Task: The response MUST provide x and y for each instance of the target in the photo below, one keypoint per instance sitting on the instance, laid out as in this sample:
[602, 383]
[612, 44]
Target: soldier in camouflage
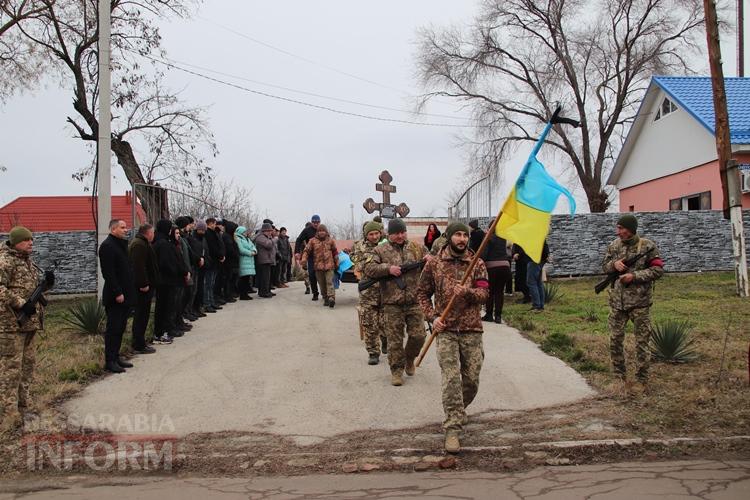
[18, 279]
[400, 308]
[369, 300]
[459, 343]
[439, 244]
[631, 296]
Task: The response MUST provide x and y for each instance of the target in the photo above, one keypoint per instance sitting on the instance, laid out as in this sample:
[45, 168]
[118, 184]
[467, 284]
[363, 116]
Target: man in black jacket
[299, 246]
[118, 294]
[145, 275]
[476, 237]
[172, 279]
[185, 225]
[218, 254]
[231, 265]
[199, 246]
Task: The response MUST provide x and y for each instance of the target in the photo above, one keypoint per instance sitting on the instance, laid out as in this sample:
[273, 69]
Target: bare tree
[213, 198]
[21, 62]
[171, 138]
[520, 58]
[346, 229]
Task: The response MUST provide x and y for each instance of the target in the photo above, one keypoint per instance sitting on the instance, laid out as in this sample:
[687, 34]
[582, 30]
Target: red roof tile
[62, 213]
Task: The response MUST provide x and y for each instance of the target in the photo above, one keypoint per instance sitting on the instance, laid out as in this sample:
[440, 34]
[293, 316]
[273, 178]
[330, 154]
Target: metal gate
[475, 203]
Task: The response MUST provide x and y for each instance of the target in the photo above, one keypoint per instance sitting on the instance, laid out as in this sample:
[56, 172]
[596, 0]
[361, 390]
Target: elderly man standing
[631, 296]
[265, 259]
[18, 279]
[118, 295]
[146, 275]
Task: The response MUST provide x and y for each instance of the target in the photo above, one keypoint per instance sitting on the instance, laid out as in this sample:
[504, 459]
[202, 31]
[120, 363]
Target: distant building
[64, 213]
[669, 160]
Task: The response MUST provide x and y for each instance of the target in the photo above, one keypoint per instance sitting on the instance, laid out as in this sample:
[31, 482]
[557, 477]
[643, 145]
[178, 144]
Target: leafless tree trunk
[520, 58]
[149, 123]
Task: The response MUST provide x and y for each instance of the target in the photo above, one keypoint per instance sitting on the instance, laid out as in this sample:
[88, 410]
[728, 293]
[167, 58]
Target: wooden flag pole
[469, 272]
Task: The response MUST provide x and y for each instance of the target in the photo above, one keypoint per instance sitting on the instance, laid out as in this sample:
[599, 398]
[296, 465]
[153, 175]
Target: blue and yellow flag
[527, 211]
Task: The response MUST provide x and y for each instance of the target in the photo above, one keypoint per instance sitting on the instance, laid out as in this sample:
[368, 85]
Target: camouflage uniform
[18, 279]
[439, 244]
[459, 347]
[369, 300]
[632, 302]
[400, 308]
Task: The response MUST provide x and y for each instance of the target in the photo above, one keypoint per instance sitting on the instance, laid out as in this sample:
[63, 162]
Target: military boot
[452, 444]
[374, 359]
[307, 290]
[410, 369]
[384, 345]
[396, 379]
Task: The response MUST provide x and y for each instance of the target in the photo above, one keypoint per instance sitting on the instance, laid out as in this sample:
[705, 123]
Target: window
[666, 108]
[631, 208]
[700, 201]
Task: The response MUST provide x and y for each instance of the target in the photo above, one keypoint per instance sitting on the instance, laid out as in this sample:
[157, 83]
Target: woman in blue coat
[247, 261]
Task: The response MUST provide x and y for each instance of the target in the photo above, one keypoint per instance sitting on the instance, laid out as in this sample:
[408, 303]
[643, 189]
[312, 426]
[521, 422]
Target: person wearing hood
[459, 341]
[118, 295]
[172, 280]
[265, 259]
[325, 257]
[199, 250]
[246, 251]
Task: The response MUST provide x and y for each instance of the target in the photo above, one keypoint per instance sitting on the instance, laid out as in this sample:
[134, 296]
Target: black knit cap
[182, 222]
[629, 222]
[396, 226]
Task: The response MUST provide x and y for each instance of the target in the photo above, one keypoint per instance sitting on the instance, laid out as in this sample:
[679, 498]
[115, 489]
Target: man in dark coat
[185, 224]
[299, 246]
[172, 279]
[522, 263]
[118, 295]
[145, 276]
[264, 259]
[218, 254]
[232, 262]
[476, 237]
[199, 246]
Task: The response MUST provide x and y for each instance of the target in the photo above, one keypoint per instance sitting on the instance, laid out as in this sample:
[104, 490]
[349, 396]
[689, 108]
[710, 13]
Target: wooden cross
[385, 208]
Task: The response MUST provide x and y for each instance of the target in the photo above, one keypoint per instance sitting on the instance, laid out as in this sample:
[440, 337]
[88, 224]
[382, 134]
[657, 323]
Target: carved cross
[385, 208]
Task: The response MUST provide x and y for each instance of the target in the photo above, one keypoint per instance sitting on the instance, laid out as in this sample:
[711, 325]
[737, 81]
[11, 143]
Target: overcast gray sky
[297, 160]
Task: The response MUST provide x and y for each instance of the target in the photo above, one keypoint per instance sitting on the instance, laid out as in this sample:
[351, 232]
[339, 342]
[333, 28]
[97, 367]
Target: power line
[312, 94]
[304, 103]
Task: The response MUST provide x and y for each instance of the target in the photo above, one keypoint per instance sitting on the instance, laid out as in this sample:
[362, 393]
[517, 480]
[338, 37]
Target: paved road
[708, 480]
[290, 366]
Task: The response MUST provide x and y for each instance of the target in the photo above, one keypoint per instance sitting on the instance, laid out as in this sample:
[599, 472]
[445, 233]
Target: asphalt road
[289, 366]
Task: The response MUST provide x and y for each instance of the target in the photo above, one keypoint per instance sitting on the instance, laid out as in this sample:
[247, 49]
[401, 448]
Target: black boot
[384, 345]
[374, 359]
[315, 296]
[307, 290]
[331, 303]
[487, 317]
[112, 366]
[124, 364]
[325, 302]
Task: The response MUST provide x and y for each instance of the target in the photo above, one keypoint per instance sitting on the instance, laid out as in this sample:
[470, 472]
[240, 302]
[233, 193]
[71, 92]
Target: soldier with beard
[459, 343]
[400, 309]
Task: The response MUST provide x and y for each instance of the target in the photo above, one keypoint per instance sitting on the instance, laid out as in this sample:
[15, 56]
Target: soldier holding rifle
[631, 295]
[459, 343]
[20, 318]
[400, 310]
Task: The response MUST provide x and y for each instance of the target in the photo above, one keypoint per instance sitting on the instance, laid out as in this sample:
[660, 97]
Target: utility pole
[104, 139]
[354, 228]
[741, 38]
[730, 180]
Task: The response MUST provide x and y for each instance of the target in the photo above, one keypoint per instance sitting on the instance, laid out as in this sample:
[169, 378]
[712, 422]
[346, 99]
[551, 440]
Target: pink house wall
[654, 196]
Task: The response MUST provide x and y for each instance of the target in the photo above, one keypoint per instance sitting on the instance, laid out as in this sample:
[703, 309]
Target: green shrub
[590, 314]
[588, 365]
[551, 292]
[672, 342]
[525, 323]
[80, 373]
[86, 317]
[556, 343]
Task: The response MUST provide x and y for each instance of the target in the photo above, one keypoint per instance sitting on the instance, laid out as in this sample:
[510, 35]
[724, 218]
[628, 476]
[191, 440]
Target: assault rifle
[367, 283]
[37, 296]
[614, 276]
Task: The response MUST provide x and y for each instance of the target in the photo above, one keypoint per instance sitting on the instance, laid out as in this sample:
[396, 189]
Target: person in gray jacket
[265, 259]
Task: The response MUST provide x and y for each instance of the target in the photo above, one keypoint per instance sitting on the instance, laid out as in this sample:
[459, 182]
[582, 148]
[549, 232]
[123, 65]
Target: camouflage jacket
[360, 251]
[439, 278]
[439, 244]
[377, 265]
[18, 279]
[646, 270]
[324, 253]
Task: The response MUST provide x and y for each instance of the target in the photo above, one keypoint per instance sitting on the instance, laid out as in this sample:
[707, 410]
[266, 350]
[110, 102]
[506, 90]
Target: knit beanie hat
[266, 227]
[474, 224]
[372, 226]
[315, 218]
[322, 227]
[455, 226]
[164, 226]
[200, 225]
[19, 234]
[396, 226]
[629, 222]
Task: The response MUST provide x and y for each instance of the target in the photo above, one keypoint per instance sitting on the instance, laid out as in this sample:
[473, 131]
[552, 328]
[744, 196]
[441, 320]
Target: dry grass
[684, 399]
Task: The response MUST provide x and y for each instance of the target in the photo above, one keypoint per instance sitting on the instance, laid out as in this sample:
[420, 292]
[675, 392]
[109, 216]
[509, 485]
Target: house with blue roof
[669, 160]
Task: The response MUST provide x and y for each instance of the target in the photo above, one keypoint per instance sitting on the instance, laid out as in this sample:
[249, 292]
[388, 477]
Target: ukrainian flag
[527, 212]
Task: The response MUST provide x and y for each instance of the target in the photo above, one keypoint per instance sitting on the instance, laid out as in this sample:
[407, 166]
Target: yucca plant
[86, 317]
[672, 342]
[551, 292]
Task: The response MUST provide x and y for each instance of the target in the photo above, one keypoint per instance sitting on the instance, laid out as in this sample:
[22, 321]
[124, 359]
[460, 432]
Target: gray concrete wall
[688, 241]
